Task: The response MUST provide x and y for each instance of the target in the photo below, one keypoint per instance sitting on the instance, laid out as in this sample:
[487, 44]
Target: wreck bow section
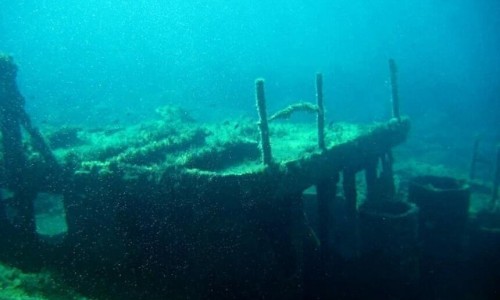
[172, 207]
[221, 229]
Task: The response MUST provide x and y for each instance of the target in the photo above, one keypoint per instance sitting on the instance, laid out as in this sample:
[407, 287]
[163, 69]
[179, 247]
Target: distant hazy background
[102, 61]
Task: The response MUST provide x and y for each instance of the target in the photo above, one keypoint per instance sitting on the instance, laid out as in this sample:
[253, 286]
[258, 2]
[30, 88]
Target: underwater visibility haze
[135, 164]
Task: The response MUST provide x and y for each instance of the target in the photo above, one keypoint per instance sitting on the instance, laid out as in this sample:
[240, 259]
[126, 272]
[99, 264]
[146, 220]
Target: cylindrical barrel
[389, 246]
[444, 208]
[484, 255]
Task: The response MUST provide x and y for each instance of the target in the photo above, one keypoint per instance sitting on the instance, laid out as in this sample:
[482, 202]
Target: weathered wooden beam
[394, 89]
[321, 111]
[263, 124]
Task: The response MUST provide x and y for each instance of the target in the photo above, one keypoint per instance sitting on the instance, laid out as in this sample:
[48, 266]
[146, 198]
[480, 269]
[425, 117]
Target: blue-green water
[117, 60]
[103, 62]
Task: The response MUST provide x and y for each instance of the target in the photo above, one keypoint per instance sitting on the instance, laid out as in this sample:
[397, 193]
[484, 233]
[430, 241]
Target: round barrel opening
[439, 183]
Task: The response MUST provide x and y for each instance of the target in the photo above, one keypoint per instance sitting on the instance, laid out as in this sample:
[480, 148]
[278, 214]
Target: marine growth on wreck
[173, 208]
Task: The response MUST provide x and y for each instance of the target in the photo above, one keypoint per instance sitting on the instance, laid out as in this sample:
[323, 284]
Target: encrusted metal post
[394, 88]
[263, 125]
[321, 111]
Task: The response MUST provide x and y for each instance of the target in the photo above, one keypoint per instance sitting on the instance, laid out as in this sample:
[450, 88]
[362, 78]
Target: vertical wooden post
[394, 88]
[321, 111]
[263, 125]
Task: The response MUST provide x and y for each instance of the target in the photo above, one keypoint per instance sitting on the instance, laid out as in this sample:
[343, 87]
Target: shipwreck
[174, 208]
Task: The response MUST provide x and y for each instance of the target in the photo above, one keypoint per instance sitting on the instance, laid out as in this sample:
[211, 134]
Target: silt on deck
[174, 207]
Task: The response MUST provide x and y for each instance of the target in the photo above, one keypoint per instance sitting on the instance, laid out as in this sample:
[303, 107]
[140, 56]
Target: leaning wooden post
[321, 111]
[263, 125]
[496, 180]
[394, 88]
